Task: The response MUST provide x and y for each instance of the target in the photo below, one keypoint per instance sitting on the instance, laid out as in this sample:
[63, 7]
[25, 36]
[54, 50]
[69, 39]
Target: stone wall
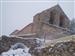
[59, 49]
[7, 42]
[51, 32]
[26, 30]
[50, 23]
[56, 14]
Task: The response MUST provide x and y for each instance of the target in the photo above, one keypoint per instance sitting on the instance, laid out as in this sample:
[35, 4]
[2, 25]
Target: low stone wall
[7, 42]
[58, 49]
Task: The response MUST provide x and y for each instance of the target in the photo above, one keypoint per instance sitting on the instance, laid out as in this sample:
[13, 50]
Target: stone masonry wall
[7, 42]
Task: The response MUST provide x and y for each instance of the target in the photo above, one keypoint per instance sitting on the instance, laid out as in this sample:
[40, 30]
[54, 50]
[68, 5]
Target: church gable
[48, 22]
[54, 16]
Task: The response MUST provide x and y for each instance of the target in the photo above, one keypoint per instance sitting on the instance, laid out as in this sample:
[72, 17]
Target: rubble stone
[59, 49]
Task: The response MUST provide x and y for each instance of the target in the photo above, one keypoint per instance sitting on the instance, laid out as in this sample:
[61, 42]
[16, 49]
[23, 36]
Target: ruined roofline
[57, 7]
[25, 27]
[62, 11]
[14, 32]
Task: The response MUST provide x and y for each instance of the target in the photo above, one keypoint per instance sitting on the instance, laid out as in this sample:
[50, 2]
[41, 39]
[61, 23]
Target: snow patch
[15, 51]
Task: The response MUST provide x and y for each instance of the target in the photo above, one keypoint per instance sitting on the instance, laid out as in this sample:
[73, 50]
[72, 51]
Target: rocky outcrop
[59, 49]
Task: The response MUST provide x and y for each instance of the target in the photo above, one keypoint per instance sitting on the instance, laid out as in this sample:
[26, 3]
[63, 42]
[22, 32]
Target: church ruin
[47, 31]
[50, 24]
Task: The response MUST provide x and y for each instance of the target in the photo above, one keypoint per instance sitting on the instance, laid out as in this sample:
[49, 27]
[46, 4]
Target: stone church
[50, 24]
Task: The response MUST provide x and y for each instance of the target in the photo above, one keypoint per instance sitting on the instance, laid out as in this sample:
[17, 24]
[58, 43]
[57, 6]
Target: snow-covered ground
[17, 52]
[19, 49]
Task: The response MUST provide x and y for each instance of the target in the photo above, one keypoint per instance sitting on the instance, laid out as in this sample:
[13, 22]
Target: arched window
[52, 16]
[61, 21]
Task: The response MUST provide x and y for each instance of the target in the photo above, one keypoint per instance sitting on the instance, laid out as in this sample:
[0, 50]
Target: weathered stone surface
[7, 42]
[59, 49]
[64, 48]
[51, 23]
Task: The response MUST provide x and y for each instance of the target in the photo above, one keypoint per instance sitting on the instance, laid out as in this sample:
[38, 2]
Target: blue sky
[16, 15]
